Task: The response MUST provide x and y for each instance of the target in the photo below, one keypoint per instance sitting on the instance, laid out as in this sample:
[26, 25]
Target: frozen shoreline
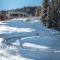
[41, 46]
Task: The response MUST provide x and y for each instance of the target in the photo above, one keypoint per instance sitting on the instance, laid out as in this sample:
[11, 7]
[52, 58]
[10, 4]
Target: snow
[16, 43]
[6, 55]
[28, 40]
[30, 45]
[5, 29]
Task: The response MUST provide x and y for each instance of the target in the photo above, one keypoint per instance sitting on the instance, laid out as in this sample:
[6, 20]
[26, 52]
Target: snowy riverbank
[39, 43]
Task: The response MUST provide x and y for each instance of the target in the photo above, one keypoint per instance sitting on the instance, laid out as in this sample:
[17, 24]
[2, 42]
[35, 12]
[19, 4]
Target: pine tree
[45, 11]
[51, 13]
[55, 12]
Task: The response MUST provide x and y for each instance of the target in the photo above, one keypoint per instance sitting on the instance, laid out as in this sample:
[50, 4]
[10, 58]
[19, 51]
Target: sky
[12, 4]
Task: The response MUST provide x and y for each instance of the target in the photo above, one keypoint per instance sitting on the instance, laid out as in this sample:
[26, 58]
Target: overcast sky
[12, 4]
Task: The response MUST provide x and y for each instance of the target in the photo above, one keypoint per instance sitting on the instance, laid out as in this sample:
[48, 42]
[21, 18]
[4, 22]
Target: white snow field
[28, 40]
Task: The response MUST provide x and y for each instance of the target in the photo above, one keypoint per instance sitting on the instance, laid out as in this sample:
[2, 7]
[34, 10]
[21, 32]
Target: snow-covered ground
[28, 40]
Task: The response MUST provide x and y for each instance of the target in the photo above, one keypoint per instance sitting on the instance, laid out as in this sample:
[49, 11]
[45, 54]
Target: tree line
[31, 11]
